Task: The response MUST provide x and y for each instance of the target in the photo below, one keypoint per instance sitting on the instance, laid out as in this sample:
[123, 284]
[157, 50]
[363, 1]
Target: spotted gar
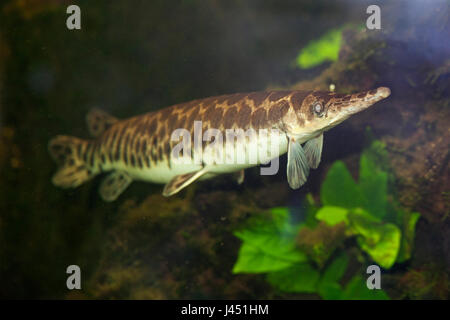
[141, 147]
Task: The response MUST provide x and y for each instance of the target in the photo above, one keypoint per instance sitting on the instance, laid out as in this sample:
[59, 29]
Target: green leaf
[310, 209]
[357, 289]
[339, 189]
[297, 278]
[324, 49]
[282, 223]
[380, 240]
[409, 228]
[332, 215]
[259, 259]
[329, 287]
[373, 184]
[320, 242]
[281, 212]
[269, 245]
[336, 269]
[330, 291]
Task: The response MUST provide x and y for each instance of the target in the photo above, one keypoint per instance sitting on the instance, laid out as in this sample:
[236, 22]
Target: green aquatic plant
[305, 256]
[316, 52]
[326, 48]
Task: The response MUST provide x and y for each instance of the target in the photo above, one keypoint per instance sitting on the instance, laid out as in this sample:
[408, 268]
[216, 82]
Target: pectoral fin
[313, 151]
[114, 184]
[181, 181]
[297, 167]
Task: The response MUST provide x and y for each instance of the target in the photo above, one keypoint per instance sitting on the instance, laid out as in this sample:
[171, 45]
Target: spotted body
[140, 148]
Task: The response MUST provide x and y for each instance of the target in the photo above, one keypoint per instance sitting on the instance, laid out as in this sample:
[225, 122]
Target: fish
[142, 147]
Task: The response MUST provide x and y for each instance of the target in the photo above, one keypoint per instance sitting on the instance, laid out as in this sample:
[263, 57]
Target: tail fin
[67, 153]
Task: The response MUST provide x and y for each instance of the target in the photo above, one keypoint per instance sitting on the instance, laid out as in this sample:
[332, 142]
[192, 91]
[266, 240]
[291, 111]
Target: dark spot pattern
[172, 121]
[144, 146]
[243, 117]
[181, 123]
[141, 128]
[208, 114]
[111, 137]
[258, 97]
[324, 97]
[229, 117]
[277, 95]
[125, 148]
[208, 101]
[221, 99]
[190, 119]
[217, 117]
[232, 99]
[117, 154]
[160, 153]
[162, 131]
[361, 95]
[137, 146]
[165, 113]
[167, 150]
[278, 110]
[154, 155]
[298, 97]
[259, 118]
[152, 126]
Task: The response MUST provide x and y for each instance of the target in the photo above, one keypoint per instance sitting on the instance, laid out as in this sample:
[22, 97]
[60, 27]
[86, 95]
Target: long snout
[342, 107]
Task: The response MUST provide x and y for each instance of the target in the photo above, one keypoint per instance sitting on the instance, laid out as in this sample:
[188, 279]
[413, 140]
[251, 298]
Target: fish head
[321, 111]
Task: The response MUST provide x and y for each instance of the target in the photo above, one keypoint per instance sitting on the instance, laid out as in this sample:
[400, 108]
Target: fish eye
[318, 109]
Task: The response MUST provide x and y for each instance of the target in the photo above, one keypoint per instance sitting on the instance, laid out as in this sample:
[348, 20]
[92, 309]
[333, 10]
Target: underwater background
[380, 195]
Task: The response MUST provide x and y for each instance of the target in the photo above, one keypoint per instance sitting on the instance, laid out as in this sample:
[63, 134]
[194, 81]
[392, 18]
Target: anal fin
[114, 184]
[313, 151]
[98, 121]
[181, 181]
[297, 167]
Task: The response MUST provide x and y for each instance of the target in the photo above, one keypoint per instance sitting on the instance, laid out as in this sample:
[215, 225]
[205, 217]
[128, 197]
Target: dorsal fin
[98, 121]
